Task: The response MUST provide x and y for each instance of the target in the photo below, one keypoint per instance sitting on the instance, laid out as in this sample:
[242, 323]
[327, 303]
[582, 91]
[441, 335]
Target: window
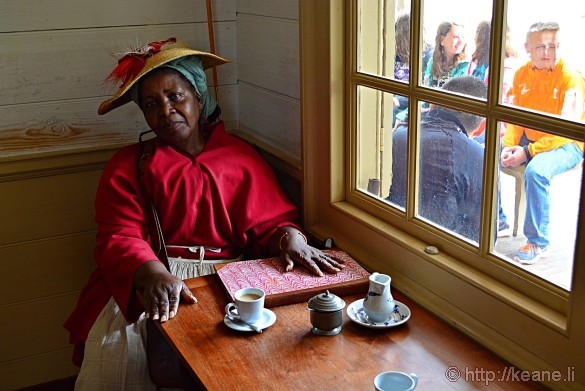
[448, 175]
[350, 90]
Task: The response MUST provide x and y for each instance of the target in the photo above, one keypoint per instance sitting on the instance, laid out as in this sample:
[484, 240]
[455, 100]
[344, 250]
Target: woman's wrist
[147, 272]
[288, 233]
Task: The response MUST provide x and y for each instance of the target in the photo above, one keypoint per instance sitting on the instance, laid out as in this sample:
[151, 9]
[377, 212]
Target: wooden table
[287, 356]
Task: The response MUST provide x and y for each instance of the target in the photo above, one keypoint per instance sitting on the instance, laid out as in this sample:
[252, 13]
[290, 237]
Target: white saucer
[356, 313]
[267, 320]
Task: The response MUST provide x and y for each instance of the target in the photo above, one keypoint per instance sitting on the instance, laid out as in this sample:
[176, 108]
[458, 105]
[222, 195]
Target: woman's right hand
[161, 291]
[294, 249]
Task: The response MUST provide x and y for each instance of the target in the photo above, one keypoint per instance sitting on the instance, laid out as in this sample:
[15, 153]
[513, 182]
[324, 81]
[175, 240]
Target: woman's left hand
[294, 249]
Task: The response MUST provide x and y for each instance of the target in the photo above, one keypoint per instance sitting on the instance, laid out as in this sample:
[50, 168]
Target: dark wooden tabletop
[288, 356]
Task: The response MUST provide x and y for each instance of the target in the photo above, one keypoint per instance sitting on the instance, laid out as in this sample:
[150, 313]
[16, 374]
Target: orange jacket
[543, 91]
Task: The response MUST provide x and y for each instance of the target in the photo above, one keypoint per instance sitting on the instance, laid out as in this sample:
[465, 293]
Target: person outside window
[511, 64]
[544, 84]
[449, 55]
[480, 62]
[451, 164]
[479, 67]
[402, 64]
[480, 59]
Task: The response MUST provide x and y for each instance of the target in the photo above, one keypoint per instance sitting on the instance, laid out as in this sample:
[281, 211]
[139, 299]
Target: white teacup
[248, 305]
[395, 381]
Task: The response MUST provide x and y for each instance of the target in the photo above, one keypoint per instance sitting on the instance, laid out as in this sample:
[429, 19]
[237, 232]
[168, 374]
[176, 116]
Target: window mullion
[491, 156]
[413, 107]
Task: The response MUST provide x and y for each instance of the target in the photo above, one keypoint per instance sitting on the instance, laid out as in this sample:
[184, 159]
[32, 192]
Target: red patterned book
[296, 286]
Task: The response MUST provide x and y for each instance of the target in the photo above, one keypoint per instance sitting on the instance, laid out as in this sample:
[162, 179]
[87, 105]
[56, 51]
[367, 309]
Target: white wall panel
[271, 117]
[269, 74]
[75, 63]
[286, 9]
[268, 53]
[35, 15]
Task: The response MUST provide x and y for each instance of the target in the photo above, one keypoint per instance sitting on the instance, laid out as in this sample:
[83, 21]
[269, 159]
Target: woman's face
[454, 42]
[171, 108]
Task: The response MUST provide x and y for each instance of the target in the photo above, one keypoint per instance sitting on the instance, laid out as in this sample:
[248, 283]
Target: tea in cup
[395, 381]
[248, 305]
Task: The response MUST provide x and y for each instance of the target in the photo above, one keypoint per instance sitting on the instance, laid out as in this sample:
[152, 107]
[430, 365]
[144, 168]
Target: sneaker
[504, 229]
[530, 253]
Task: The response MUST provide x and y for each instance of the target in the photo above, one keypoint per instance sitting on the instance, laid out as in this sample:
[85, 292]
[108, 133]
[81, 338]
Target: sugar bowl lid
[326, 302]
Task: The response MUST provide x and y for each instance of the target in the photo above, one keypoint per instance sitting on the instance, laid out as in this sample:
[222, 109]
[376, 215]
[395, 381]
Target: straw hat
[138, 63]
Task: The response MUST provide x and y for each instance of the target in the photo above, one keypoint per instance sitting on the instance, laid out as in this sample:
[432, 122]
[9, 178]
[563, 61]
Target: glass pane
[459, 36]
[450, 171]
[384, 38]
[398, 142]
[544, 61]
[376, 112]
[539, 202]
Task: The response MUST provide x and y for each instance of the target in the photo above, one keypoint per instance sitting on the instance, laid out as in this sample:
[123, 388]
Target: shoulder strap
[156, 236]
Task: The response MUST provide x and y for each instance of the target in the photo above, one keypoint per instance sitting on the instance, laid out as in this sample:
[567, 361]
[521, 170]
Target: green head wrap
[192, 68]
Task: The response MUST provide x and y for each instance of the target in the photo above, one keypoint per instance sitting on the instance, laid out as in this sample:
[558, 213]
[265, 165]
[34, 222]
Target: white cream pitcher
[379, 303]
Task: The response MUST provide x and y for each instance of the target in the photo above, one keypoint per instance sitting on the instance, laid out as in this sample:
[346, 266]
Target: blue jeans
[539, 173]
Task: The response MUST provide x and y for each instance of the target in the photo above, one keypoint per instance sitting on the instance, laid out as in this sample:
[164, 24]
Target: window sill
[415, 256]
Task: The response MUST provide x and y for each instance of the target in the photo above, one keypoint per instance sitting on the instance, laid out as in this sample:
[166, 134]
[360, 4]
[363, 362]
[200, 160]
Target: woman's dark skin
[171, 109]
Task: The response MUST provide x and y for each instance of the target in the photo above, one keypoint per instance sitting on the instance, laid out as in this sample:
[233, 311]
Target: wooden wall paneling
[37, 369]
[75, 63]
[268, 53]
[271, 117]
[63, 115]
[47, 164]
[45, 207]
[68, 258]
[74, 125]
[228, 101]
[35, 327]
[16, 15]
[29, 129]
[287, 9]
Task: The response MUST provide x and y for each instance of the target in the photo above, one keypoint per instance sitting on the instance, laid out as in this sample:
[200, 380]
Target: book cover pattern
[269, 274]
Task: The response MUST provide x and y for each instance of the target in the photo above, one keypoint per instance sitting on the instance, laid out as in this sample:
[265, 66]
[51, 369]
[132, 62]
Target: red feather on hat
[130, 65]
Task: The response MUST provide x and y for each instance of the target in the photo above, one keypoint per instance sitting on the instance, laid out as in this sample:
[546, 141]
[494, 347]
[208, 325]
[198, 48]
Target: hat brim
[122, 96]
